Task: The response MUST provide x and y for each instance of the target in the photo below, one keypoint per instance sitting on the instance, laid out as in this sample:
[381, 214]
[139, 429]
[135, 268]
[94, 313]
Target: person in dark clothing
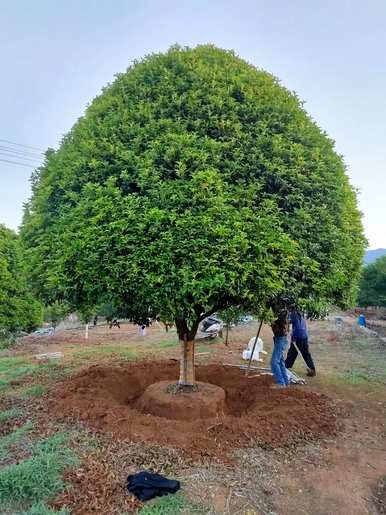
[299, 343]
[280, 330]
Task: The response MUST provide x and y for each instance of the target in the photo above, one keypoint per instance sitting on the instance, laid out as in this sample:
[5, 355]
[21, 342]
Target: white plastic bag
[259, 349]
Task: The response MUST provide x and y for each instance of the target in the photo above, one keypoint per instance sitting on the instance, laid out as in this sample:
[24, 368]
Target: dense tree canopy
[193, 183]
[373, 284]
[18, 309]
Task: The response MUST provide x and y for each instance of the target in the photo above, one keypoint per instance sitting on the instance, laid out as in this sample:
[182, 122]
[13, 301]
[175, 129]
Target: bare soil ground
[316, 449]
[108, 398]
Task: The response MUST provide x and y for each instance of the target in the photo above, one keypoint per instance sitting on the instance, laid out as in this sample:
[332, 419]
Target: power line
[20, 145]
[21, 152]
[29, 165]
[24, 158]
[16, 152]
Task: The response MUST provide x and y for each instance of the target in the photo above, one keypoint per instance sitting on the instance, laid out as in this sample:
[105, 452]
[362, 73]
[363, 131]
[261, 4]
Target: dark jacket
[280, 327]
[299, 328]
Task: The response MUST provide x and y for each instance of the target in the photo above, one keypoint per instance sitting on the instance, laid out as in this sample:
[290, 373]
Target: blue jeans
[277, 360]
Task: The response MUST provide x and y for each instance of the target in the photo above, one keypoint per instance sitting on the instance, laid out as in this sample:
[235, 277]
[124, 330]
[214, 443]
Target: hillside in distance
[373, 255]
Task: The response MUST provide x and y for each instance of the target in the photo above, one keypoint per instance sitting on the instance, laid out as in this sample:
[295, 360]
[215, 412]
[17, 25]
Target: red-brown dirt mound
[107, 398]
[207, 402]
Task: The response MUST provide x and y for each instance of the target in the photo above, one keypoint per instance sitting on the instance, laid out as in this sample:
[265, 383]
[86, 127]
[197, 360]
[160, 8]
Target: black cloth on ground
[146, 485]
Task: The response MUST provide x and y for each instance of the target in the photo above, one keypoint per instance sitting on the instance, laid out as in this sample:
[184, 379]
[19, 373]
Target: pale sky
[57, 55]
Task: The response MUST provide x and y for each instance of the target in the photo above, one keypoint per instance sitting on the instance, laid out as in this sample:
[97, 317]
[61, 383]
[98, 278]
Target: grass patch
[17, 439]
[34, 391]
[38, 478]
[118, 351]
[176, 504]
[356, 376]
[125, 353]
[41, 508]
[355, 362]
[52, 370]
[12, 369]
[6, 339]
[165, 344]
[211, 341]
[8, 362]
[205, 348]
[9, 414]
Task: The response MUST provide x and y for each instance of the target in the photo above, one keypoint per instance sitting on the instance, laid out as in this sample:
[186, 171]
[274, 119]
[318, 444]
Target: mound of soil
[162, 400]
[108, 399]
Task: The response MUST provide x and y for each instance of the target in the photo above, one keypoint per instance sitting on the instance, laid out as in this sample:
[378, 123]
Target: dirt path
[343, 479]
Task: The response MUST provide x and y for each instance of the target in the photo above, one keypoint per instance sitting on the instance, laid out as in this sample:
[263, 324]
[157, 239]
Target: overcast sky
[57, 55]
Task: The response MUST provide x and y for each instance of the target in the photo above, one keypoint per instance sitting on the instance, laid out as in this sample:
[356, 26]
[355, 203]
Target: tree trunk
[186, 337]
[227, 334]
[187, 375]
[86, 333]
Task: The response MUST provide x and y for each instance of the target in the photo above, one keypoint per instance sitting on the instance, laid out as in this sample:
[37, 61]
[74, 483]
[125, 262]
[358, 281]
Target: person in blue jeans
[280, 330]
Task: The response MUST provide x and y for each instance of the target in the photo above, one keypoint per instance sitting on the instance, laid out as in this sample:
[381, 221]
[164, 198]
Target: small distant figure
[168, 326]
[338, 320]
[362, 320]
[142, 329]
[114, 323]
[95, 320]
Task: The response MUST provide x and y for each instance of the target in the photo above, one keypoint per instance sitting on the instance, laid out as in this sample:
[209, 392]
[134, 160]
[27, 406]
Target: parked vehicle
[210, 327]
[245, 319]
[43, 331]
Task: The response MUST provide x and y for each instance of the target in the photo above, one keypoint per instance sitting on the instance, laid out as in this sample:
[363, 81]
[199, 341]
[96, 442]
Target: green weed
[15, 439]
[8, 362]
[41, 508]
[166, 344]
[13, 368]
[355, 376]
[39, 477]
[34, 391]
[171, 505]
[6, 339]
[127, 354]
[10, 414]
[204, 348]
[118, 351]
[52, 370]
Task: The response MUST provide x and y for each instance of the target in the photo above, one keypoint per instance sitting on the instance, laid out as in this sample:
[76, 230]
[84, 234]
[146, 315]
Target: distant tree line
[372, 290]
[19, 310]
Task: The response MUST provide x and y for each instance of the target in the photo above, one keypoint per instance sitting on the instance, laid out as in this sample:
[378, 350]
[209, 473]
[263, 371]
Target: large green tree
[18, 309]
[193, 183]
[373, 284]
